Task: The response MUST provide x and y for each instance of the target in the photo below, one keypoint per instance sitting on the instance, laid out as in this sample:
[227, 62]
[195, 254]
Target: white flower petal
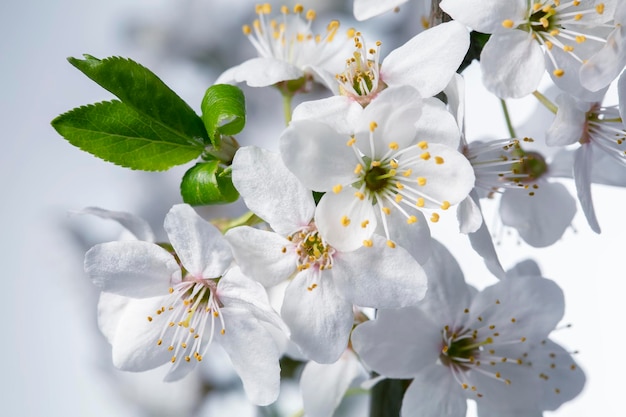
[569, 123]
[414, 237]
[482, 243]
[379, 276]
[135, 344]
[434, 392]
[319, 318]
[271, 191]
[420, 63]
[512, 64]
[323, 386]
[621, 92]
[317, 154]
[340, 219]
[570, 81]
[260, 72]
[540, 219]
[260, 254]
[138, 227]
[201, 248]
[582, 178]
[455, 93]
[132, 268]
[338, 112]
[485, 15]
[366, 9]
[253, 353]
[399, 343]
[110, 310]
[603, 67]
[437, 124]
[469, 216]
[524, 268]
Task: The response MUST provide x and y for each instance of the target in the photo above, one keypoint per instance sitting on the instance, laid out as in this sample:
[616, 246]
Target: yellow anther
[394, 146]
[399, 185]
[411, 220]
[547, 8]
[173, 359]
[223, 331]
[445, 205]
[159, 342]
[558, 72]
[149, 318]
[284, 9]
[398, 198]
[438, 160]
[554, 32]
[420, 202]
[421, 181]
[386, 210]
[423, 144]
[544, 22]
[351, 142]
[568, 48]
[364, 223]
[266, 8]
[345, 221]
[337, 188]
[368, 243]
[373, 126]
[508, 23]
[246, 29]
[434, 218]
[359, 195]
[350, 32]
[465, 386]
[600, 8]
[549, 45]
[170, 290]
[576, 2]
[216, 314]
[578, 16]
[407, 173]
[298, 8]
[391, 244]
[536, 6]
[187, 358]
[311, 15]
[375, 163]
[393, 164]
[425, 156]
[358, 169]
[580, 39]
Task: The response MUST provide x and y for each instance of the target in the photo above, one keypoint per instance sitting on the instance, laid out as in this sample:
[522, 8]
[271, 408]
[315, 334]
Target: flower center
[184, 315]
[312, 249]
[377, 177]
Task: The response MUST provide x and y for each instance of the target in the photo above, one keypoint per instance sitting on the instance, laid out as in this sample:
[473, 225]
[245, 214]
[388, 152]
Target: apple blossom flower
[418, 63]
[599, 130]
[391, 166]
[170, 305]
[580, 42]
[325, 281]
[287, 48]
[491, 346]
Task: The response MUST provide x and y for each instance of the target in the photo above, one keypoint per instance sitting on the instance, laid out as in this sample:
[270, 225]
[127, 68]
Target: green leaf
[139, 88]
[117, 133]
[223, 110]
[208, 183]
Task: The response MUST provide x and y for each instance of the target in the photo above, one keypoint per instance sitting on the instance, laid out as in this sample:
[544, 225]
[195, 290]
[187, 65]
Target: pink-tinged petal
[379, 276]
[263, 256]
[536, 304]
[324, 385]
[237, 290]
[338, 112]
[366, 9]
[582, 178]
[434, 392]
[396, 111]
[485, 16]
[540, 219]
[317, 155]
[260, 72]
[138, 227]
[253, 353]
[399, 343]
[319, 318]
[437, 124]
[420, 63]
[135, 345]
[110, 310]
[201, 248]
[271, 191]
[569, 124]
[603, 67]
[512, 64]
[469, 215]
[344, 220]
[447, 290]
[482, 243]
[414, 237]
[132, 268]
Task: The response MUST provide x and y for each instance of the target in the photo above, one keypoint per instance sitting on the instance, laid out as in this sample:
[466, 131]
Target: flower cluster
[340, 218]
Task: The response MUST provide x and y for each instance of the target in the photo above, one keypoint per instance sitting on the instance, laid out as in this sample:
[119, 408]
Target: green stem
[544, 100]
[247, 219]
[287, 106]
[507, 118]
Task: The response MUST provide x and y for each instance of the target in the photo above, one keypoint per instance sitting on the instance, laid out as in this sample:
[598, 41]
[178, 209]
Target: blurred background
[54, 360]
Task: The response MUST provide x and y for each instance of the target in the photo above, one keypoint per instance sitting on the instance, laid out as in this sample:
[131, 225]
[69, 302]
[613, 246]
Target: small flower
[177, 301]
[567, 37]
[326, 281]
[287, 48]
[489, 346]
[600, 131]
[392, 166]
